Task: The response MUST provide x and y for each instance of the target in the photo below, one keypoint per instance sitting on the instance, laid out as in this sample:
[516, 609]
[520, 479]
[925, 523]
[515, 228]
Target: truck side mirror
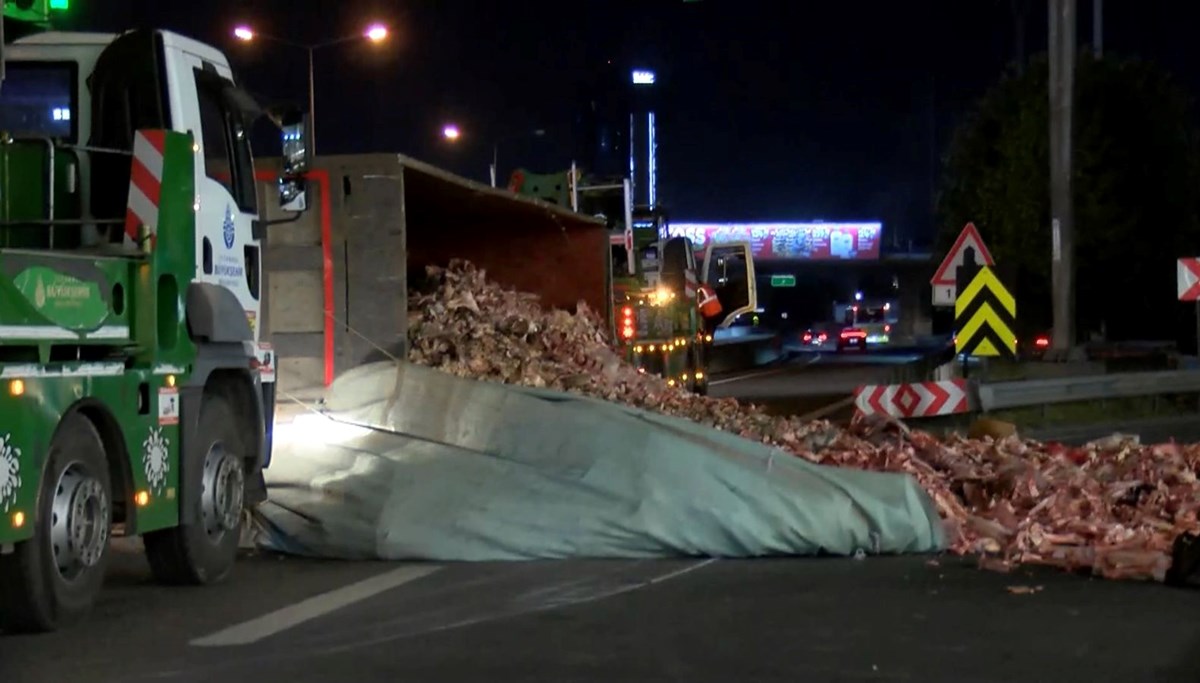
[297, 160]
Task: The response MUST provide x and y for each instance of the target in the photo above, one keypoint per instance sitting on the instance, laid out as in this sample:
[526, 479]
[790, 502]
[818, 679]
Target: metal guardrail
[1026, 393]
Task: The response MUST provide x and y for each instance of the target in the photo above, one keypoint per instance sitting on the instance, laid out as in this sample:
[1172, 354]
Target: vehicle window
[226, 144]
[38, 100]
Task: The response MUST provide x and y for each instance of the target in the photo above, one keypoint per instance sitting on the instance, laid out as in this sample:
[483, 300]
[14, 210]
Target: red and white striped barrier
[921, 399]
[145, 184]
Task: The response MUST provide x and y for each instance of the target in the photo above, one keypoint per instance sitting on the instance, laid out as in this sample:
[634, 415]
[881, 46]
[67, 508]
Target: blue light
[643, 77]
[652, 164]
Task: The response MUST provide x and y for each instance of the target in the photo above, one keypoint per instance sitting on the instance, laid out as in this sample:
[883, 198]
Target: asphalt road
[875, 619]
[810, 374]
[1183, 429]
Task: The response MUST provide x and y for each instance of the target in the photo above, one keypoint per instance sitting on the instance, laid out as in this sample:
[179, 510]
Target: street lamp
[375, 33]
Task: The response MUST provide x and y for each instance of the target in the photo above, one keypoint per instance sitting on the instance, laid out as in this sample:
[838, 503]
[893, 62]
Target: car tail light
[1042, 342]
[853, 332]
[807, 337]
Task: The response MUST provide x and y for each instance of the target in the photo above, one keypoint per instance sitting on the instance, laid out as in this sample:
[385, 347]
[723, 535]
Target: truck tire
[51, 581]
[204, 552]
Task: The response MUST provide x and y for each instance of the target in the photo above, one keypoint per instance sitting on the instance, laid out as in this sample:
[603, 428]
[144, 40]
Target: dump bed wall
[338, 277]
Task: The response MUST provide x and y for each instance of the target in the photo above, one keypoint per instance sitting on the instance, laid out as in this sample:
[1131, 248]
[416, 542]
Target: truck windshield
[37, 100]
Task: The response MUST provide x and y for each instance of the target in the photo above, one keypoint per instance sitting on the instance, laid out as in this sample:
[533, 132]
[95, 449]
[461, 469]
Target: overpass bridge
[803, 267]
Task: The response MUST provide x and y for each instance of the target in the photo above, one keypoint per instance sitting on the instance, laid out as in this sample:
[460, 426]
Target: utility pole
[1062, 215]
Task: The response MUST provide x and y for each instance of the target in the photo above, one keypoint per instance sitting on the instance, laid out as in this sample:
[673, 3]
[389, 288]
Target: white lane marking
[288, 617]
[363, 642]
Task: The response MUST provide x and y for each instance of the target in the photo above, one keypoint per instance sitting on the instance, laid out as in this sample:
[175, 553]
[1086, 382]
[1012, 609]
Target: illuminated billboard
[800, 241]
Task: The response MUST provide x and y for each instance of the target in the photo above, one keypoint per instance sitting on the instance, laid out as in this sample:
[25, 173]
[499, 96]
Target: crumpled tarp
[454, 469]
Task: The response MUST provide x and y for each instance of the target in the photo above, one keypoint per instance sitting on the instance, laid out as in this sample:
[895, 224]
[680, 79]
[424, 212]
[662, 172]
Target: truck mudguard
[215, 315]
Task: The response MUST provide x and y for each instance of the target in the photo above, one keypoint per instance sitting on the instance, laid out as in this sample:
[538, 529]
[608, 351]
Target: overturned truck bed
[407, 462]
[338, 276]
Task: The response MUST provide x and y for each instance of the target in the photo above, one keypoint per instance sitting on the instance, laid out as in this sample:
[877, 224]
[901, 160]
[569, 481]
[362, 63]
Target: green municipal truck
[136, 385]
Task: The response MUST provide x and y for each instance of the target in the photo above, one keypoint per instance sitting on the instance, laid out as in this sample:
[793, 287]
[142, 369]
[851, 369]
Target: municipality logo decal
[227, 228]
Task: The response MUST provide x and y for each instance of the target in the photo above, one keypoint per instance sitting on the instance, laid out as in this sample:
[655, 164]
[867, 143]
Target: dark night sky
[773, 110]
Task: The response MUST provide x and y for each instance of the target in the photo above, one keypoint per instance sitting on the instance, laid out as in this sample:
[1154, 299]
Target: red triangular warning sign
[969, 237]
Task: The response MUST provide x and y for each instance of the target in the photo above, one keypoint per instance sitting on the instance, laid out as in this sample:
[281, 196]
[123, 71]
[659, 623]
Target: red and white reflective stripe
[145, 183]
[922, 399]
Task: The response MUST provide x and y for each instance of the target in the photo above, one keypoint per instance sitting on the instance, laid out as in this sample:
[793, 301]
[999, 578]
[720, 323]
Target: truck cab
[85, 95]
[136, 384]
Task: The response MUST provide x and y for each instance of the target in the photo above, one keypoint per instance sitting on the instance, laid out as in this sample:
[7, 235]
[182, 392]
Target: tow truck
[136, 389]
[658, 290]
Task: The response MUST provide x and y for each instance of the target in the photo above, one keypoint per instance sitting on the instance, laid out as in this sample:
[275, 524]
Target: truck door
[729, 270]
[227, 253]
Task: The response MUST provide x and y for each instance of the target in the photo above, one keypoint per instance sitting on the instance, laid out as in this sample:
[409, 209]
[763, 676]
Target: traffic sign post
[968, 248]
[985, 315]
[1187, 285]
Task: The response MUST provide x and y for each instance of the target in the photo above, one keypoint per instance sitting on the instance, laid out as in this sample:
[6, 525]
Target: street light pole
[374, 33]
[312, 104]
[1062, 214]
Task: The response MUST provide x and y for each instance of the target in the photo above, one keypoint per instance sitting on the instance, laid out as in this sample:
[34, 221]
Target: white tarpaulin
[412, 463]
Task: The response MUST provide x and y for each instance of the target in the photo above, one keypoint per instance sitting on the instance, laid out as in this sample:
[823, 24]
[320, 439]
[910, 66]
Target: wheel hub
[221, 497]
[79, 522]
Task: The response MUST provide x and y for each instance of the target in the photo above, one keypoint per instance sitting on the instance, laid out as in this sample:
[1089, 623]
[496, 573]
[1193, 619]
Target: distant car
[1036, 350]
[814, 338]
[852, 339]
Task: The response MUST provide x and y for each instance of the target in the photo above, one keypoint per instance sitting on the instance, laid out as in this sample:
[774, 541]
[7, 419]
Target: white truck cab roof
[66, 38]
[83, 39]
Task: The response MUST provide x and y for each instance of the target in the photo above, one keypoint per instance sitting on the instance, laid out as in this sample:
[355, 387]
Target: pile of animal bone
[1113, 507]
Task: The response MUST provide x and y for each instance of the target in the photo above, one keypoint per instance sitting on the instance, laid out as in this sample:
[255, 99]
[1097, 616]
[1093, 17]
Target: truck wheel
[204, 552]
[51, 580]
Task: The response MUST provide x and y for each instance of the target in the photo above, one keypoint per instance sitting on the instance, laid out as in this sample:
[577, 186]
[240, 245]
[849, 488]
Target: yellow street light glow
[142, 498]
[699, 375]
[18, 519]
[244, 33]
[16, 387]
[451, 132]
[376, 33]
[170, 380]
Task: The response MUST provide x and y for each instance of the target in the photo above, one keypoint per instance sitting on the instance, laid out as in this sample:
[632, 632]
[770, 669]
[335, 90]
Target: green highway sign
[783, 280]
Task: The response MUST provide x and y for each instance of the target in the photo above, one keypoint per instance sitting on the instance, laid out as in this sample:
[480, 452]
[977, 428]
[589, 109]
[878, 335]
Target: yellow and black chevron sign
[985, 316]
